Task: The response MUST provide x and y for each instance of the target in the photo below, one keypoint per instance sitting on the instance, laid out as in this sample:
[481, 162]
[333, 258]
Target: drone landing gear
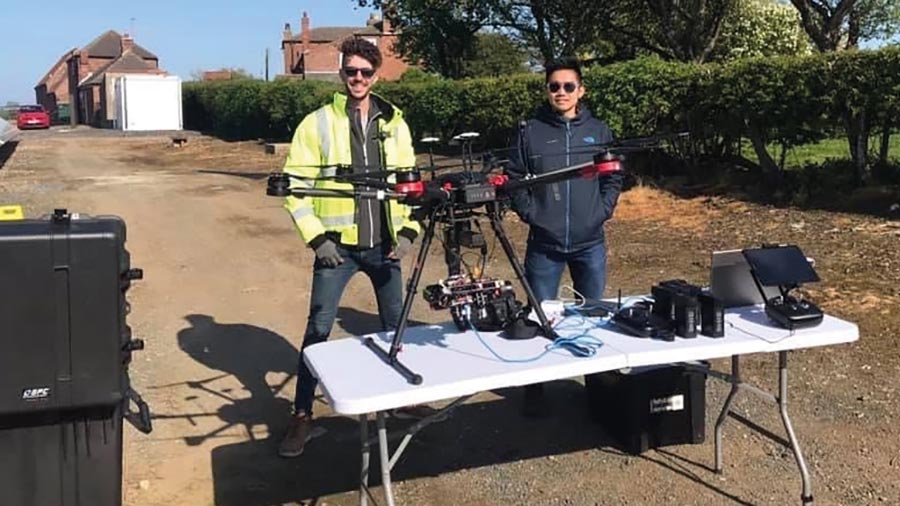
[435, 216]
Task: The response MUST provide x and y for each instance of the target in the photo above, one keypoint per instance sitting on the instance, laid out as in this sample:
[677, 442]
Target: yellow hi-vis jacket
[322, 142]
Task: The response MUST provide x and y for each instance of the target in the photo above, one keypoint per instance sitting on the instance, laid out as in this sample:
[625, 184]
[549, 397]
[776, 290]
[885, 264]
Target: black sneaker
[535, 403]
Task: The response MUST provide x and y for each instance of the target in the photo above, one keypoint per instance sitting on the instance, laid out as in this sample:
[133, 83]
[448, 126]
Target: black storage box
[64, 355]
[644, 408]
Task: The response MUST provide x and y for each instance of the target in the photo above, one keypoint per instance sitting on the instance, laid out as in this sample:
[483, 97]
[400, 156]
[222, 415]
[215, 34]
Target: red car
[32, 116]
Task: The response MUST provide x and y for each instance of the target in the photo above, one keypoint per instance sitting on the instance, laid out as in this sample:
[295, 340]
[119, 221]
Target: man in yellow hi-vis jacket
[357, 132]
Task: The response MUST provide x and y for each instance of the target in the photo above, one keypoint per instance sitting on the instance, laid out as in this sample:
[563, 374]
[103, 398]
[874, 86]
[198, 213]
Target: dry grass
[646, 204]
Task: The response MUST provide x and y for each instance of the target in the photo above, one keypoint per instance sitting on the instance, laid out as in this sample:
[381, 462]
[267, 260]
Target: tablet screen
[783, 265]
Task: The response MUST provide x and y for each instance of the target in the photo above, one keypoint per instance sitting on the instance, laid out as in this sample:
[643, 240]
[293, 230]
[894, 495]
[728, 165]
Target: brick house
[52, 91]
[314, 54]
[81, 80]
[218, 75]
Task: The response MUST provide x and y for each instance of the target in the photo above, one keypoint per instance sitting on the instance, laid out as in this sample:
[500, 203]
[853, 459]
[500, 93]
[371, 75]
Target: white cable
[578, 296]
[761, 338]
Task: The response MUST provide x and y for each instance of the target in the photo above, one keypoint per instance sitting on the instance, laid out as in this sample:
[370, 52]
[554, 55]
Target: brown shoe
[299, 432]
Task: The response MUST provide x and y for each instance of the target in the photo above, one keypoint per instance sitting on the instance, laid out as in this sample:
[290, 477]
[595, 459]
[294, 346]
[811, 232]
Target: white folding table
[457, 365]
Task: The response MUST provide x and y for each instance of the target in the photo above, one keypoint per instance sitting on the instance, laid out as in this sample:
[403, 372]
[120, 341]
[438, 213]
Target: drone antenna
[467, 139]
[430, 141]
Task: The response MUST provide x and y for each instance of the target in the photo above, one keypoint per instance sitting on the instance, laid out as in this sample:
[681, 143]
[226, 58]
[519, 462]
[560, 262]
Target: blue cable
[580, 345]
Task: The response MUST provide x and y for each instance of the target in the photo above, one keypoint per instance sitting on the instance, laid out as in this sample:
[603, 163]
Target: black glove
[327, 253]
[404, 246]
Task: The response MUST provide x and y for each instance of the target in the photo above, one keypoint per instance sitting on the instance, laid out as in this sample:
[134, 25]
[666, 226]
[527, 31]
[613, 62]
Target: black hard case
[64, 352]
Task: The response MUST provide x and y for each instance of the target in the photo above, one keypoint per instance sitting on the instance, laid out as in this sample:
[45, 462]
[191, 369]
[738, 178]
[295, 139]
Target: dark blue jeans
[328, 286]
[543, 269]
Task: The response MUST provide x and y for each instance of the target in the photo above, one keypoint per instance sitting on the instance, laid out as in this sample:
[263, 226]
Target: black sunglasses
[352, 71]
[569, 87]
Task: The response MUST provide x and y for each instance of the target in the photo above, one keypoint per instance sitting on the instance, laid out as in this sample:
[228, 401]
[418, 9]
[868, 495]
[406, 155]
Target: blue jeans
[543, 270]
[328, 286]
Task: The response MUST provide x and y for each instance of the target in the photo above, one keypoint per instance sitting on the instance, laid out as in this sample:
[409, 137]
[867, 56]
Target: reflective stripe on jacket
[320, 144]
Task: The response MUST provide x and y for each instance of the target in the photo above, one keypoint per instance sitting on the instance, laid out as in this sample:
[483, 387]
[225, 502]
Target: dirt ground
[223, 304]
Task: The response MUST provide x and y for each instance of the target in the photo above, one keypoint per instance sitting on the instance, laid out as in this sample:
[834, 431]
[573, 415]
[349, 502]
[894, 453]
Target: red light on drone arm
[411, 189]
[498, 179]
[605, 167]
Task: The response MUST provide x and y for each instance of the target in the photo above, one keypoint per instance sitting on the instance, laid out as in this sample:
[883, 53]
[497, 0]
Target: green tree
[551, 28]
[681, 30]
[762, 28]
[495, 55]
[439, 34]
[836, 25]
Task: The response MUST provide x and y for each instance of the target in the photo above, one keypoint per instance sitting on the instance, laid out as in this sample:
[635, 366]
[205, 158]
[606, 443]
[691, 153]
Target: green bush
[643, 96]
[775, 103]
[251, 109]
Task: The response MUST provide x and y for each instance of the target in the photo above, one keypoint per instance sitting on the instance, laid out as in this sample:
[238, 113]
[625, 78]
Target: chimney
[127, 43]
[82, 67]
[385, 25]
[304, 30]
[287, 32]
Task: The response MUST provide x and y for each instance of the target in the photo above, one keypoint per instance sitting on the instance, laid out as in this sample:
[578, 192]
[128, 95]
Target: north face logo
[32, 394]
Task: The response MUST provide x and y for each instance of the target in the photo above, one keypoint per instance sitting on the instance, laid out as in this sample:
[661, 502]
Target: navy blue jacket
[568, 215]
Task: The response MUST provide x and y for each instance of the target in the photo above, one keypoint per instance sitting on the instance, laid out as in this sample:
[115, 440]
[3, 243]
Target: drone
[456, 200]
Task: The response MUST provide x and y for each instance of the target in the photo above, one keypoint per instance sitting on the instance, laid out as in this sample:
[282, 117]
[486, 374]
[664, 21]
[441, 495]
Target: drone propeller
[465, 137]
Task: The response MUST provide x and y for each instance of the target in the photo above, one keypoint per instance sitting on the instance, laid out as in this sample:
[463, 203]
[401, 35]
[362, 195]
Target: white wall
[148, 102]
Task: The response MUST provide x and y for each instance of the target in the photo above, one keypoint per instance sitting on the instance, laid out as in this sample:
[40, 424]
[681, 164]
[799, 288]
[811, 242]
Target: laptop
[731, 281]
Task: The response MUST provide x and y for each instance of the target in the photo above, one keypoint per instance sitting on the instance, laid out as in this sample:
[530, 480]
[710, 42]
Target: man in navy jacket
[565, 218]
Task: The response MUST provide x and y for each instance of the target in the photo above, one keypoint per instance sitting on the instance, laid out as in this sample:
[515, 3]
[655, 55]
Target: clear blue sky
[186, 35]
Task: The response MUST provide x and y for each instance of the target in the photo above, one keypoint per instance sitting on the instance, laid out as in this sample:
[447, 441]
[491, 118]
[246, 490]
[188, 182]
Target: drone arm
[303, 160]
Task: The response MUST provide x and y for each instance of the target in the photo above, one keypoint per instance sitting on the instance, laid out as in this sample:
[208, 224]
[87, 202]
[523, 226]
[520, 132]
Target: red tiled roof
[109, 45]
[336, 33]
[129, 62]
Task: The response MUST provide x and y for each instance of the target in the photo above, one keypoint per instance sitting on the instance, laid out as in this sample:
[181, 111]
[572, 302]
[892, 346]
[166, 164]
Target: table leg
[735, 380]
[384, 451]
[364, 472]
[781, 401]
[806, 497]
